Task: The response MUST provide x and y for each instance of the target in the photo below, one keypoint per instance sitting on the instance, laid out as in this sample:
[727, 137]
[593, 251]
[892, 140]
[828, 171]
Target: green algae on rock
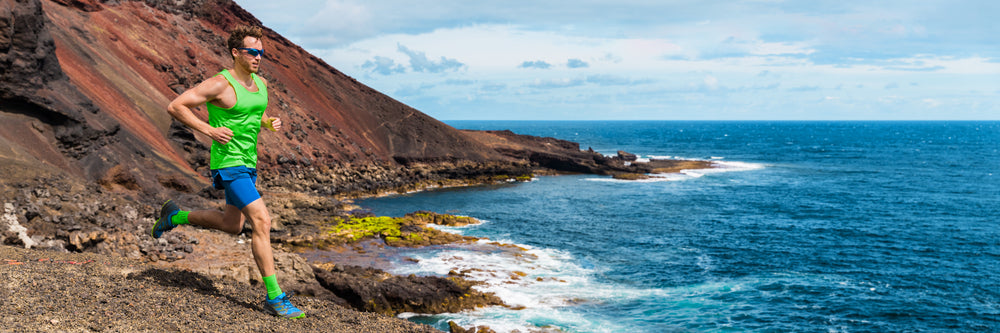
[355, 229]
[411, 230]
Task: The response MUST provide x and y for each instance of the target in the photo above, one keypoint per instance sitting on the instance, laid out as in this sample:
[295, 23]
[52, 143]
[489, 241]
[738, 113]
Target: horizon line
[747, 120]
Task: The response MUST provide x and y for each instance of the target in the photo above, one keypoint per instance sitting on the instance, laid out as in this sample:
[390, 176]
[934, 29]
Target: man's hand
[273, 124]
[220, 134]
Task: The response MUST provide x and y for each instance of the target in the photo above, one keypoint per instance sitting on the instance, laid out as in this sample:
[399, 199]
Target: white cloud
[336, 22]
[711, 82]
[535, 64]
[383, 65]
[804, 88]
[420, 63]
[642, 55]
[614, 80]
[762, 48]
[556, 83]
[576, 63]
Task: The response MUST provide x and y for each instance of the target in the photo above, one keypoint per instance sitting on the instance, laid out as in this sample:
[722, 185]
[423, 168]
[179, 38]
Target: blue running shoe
[163, 223]
[282, 307]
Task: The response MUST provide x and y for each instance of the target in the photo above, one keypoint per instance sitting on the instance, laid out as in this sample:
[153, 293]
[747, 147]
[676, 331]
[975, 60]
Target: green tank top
[244, 120]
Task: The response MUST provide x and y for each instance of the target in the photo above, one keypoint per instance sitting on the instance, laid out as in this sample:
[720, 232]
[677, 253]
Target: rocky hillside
[84, 85]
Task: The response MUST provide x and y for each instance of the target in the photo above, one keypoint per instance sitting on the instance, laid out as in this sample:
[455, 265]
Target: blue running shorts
[240, 184]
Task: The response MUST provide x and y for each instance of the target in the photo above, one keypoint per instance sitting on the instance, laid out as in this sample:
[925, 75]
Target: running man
[236, 99]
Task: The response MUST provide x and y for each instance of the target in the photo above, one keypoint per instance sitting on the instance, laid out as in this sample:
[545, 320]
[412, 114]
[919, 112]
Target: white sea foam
[721, 167]
[545, 282]
[661, 157]
[511, 273]
[718, 167]
[729, 166]
[551, 284]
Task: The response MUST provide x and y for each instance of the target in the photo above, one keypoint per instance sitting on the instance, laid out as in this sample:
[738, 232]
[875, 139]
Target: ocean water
[805, 226]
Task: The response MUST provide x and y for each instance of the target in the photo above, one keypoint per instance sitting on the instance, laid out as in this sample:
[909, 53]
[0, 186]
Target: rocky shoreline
[63, 219]
[108, 221]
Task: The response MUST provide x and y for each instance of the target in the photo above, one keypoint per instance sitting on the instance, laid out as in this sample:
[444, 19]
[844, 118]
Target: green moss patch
[354, 229]
[408, 231]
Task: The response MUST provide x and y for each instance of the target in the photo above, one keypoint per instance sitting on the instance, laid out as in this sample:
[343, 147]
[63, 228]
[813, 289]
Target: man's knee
[261, 223]
[259, 217]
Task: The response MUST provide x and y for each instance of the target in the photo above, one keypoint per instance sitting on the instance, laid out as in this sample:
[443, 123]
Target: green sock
[271, 283]
[180, 218]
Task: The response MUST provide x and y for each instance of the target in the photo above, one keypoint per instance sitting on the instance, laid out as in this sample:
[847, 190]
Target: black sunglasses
[253, 52]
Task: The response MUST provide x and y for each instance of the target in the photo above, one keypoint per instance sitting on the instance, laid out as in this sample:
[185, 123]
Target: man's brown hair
[238, 33]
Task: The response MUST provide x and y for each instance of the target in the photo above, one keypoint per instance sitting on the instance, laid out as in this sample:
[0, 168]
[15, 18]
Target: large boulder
[627, 156]
[374, 290]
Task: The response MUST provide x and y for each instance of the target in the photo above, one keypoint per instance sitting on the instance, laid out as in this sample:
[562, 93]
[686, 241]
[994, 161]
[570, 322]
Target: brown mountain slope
[85, 84]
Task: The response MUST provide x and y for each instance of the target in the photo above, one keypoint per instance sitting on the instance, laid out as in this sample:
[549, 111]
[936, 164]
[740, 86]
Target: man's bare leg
[260, 240]
[231, 220]
[260, 245]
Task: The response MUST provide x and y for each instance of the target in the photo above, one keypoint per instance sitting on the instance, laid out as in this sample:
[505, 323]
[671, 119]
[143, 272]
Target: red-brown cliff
[85, 84]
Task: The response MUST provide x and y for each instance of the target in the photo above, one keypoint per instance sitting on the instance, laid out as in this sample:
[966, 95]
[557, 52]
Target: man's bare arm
[180, 108]
[271, 123]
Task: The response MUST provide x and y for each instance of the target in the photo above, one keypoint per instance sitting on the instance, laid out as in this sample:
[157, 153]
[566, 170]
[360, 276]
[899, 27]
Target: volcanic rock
[630, 176]
[551, 153]
[374, 290]
[455, 328]
[626, 156]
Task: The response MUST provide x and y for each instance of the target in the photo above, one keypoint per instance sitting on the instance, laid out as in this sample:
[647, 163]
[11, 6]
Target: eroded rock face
[552, 153]
[27, 50]
[373, 290]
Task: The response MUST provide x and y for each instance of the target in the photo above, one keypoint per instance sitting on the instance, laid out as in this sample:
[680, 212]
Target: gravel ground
[47, 291]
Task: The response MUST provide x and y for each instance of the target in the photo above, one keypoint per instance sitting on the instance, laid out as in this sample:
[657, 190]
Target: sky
[660, 60]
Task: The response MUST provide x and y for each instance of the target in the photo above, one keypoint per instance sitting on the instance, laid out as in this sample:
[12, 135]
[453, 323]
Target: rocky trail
[48, 291]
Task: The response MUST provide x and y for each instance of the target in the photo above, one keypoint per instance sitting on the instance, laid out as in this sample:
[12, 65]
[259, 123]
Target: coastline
[116, 236]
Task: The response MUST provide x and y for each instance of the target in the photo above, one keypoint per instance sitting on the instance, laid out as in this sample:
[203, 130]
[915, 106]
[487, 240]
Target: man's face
[243, 58]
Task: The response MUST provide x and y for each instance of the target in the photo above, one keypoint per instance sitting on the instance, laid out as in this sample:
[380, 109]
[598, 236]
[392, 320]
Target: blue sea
[803, 227]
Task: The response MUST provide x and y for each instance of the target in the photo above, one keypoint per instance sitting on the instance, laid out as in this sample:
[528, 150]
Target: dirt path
[47, 291]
